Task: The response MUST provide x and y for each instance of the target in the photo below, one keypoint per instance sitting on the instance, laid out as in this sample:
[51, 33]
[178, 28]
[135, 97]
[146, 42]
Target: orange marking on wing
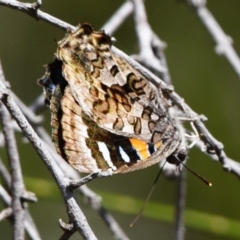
[158, 145]
[141, 147]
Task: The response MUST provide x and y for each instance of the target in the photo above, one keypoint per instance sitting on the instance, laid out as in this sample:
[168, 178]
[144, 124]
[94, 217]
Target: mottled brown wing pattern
[115, 97]
[104, 114]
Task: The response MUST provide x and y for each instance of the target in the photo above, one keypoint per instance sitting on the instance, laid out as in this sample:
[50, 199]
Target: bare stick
[5, 213]
[17, 185]
[93, 199]
[33, 11]
[180, 206]
[5, 175]
[224, 42]
[145, 37]
[118, 17]
[28, 222]
[75, 214]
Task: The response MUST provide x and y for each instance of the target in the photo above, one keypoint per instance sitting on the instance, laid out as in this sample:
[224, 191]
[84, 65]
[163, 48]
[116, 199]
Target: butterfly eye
[182, 154]
[178, 156]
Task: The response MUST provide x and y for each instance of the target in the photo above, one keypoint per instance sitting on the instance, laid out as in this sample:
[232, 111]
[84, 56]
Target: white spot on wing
[106, 155]
[124, 155]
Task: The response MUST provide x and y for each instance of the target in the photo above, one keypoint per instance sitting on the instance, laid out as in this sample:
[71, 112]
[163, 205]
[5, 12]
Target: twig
[151, 52]
[156, 44]
[28, 222]
[5, 196]
[145, 37]
[5, 213]
[38, 104]
[68, 229]
[31, 10]
[73, 208]
[180, 206]
[17, 185]
[118, 17]
[158, 47]
[17, 178]
[224, 42]
[75, 213]
[36, 120]
[93, 199]
[5, 175]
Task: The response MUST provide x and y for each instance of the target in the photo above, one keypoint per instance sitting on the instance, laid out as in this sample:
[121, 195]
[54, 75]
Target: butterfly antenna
[197, 175]
[148, 197]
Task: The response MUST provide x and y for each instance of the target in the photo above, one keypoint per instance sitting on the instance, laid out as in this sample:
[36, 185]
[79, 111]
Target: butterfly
[105, 115]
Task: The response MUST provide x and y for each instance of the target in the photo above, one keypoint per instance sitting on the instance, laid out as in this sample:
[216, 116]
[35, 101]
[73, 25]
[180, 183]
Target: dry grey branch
[151, 53]
[92, 198]
[118, 17]
[17, 185]
[5, 213]
[75, 214]
[180, 206]
[28, 222]
[145, 38]
[223, 42]
[5, 175]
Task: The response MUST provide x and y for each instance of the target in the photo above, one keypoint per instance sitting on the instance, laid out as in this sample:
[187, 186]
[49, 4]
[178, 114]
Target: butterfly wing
[109, 91]
[104, 114]
[90, 148]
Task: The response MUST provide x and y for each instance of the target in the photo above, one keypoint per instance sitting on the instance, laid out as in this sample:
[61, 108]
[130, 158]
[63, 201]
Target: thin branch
[158, 47]
[33, 11]
[16, 177]
[224, 42]
[28, 222]
[73, 208]
[151, 54]
[228, 163]
[75, 213]
[5, 196]
[38, 104]
[5, 175]
[6, 213]
[145, 37]
[93, 199]
[118, 17]
[36, 120]
[68, 229]
[17, 185]
[180, 206]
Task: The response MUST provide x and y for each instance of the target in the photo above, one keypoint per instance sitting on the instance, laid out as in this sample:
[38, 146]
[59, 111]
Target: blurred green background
[204, 79]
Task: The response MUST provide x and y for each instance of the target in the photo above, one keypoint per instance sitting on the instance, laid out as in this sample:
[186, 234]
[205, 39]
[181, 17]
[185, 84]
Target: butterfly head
[178, 156]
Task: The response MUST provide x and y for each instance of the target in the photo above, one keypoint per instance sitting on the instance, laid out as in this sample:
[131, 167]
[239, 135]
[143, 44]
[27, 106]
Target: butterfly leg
[107, 173]
[194, 138]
